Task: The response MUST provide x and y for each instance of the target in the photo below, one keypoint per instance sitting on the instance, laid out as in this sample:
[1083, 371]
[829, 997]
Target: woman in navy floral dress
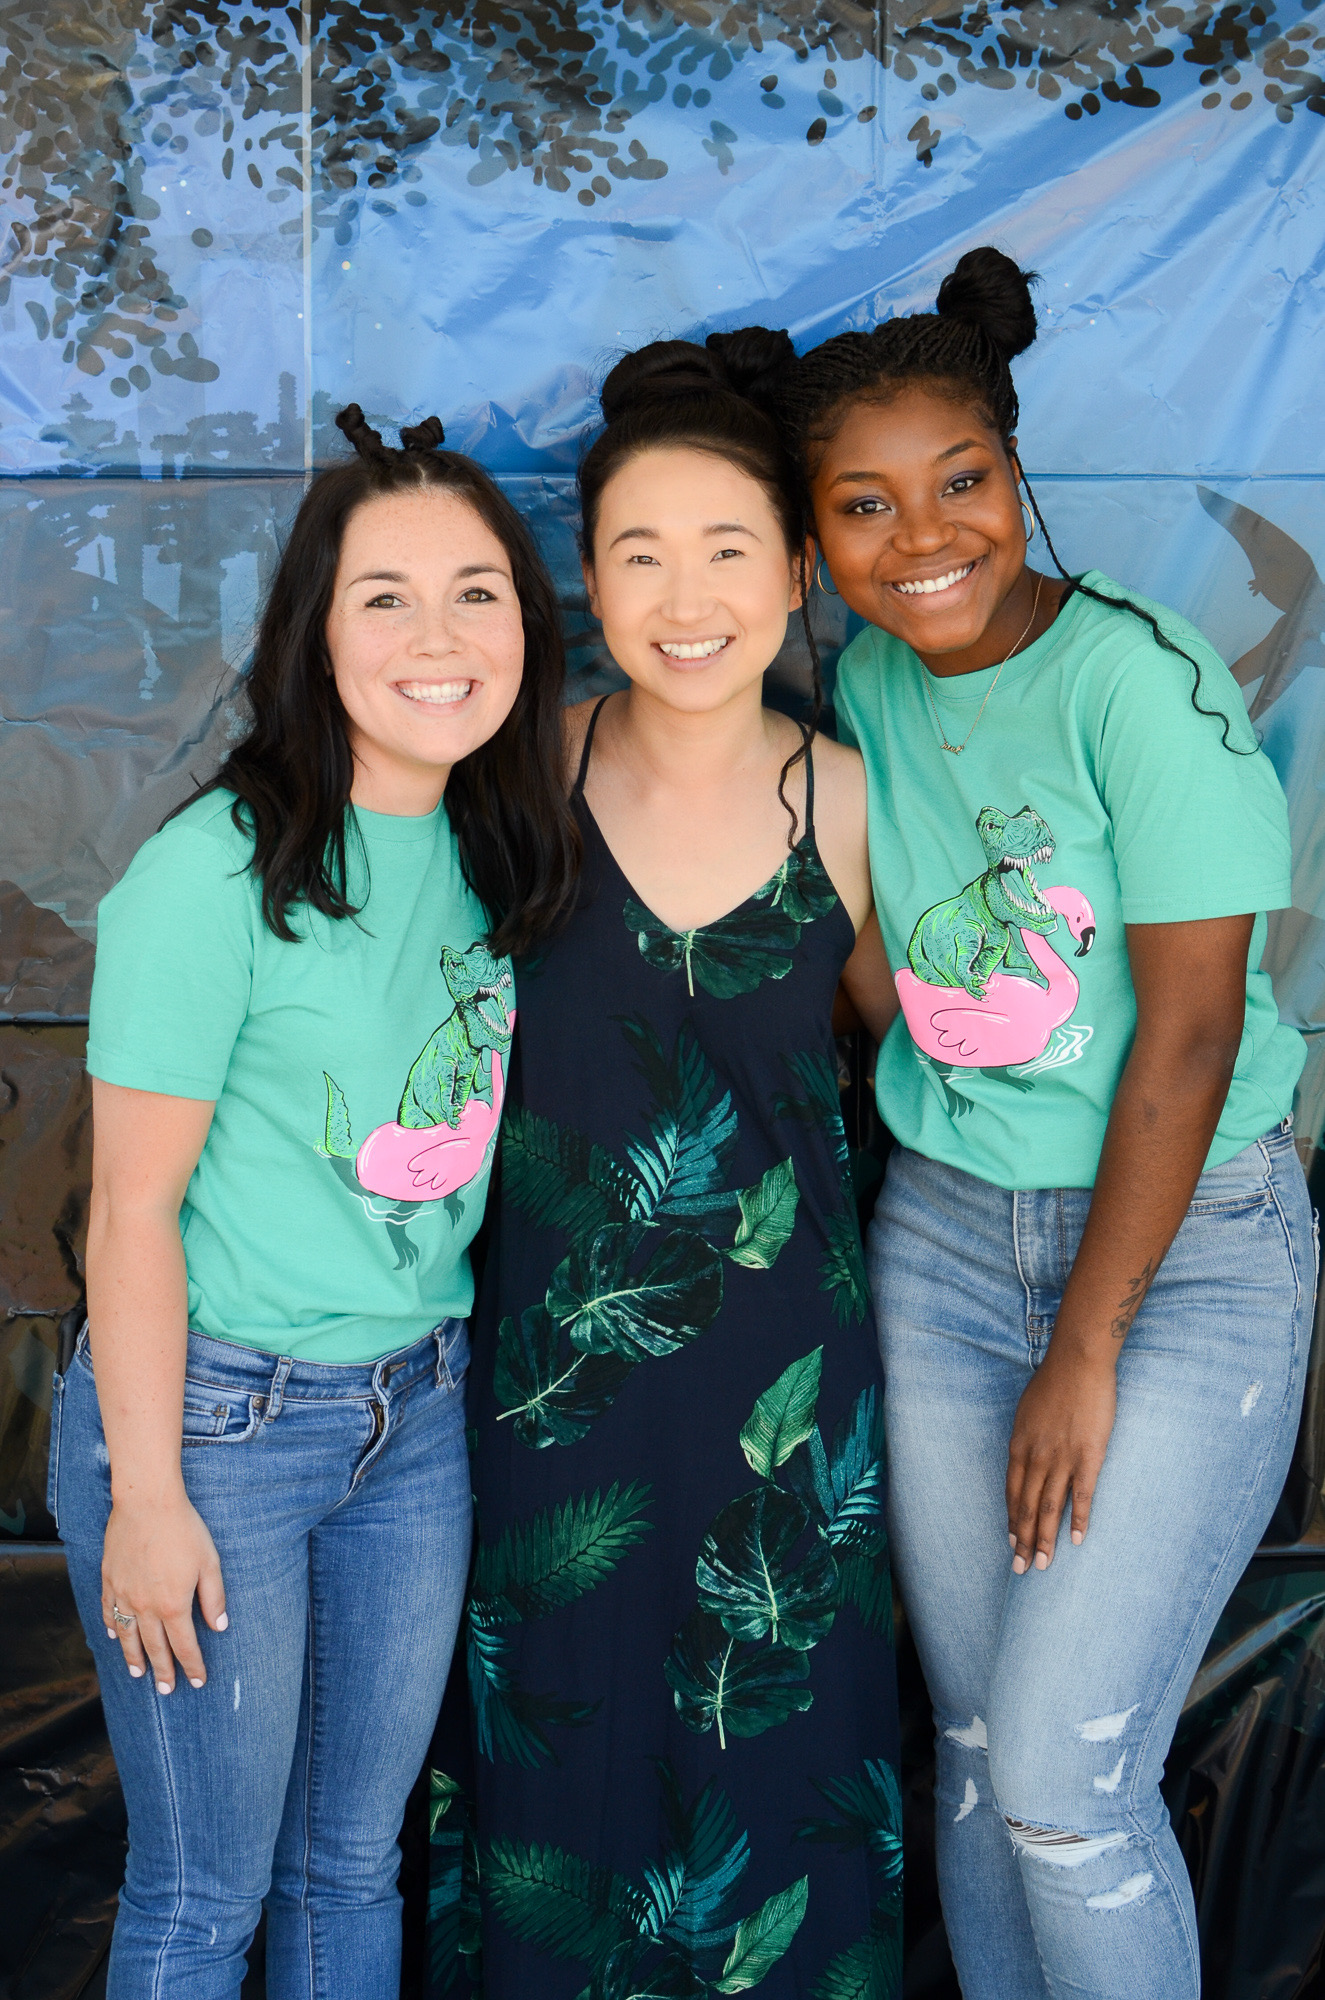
[679, 1629]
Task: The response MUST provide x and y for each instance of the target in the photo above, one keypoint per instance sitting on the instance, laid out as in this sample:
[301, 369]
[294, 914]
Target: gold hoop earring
[1030, 522]
[827, 589]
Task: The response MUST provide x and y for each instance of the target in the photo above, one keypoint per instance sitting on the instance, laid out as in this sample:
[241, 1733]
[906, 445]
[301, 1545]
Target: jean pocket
[1239, 1186]
[214, 1415]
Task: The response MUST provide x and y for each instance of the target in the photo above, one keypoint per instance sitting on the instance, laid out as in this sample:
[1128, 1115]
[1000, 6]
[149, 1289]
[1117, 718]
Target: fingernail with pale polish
[1012, 1540]
[1078, 1536]
[163, 1687]
[195, 1684]
[110, 1632]
[222, 1622]
[137, 1672]
[1019, 1565]
[1041, 1560]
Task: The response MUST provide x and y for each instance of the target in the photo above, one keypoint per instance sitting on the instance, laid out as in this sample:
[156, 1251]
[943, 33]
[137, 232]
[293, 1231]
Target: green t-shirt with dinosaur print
[1090, 795]
[358, 1076]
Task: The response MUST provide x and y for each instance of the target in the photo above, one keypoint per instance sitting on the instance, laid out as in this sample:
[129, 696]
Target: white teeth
[926, 586]
[702, 649]
[438, 694]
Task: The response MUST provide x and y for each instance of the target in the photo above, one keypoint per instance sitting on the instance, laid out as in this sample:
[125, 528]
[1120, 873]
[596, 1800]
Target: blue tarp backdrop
[222, 222]
[225, 221]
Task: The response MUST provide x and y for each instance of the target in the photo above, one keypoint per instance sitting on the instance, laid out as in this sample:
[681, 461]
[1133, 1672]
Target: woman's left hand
[1059, 1439]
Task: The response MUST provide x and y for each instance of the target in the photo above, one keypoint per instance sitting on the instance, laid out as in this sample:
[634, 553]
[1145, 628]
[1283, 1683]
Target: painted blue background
[428, 213]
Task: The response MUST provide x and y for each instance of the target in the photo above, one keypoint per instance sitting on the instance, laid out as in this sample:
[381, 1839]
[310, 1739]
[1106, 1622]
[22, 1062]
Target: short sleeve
[174, 966]
[846, 728]
[856, 657]
[1200, 827]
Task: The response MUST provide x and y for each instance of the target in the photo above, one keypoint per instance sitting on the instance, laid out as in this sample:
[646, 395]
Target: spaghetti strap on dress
[681, 1680]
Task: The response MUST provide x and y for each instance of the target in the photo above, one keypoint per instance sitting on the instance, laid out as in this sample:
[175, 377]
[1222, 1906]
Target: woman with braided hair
[301, 1028]
[1092, 1259]
[679, 1625]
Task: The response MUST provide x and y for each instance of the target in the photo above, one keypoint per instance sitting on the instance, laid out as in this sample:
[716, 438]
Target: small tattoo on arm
[1130, 1306]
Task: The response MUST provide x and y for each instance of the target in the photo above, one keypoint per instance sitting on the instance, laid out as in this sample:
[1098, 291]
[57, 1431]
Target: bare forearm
[868, 983]
[137, 1292]
[1163, 1119]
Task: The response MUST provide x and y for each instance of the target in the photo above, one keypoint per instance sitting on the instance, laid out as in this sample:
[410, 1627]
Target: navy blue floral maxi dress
[682, 1694]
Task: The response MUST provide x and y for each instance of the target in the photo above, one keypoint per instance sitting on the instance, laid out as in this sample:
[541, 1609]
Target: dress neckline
[806, 848]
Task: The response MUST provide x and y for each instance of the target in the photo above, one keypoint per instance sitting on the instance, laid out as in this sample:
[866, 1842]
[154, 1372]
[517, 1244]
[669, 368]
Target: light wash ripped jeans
[338, 1499]
[1056, 1693]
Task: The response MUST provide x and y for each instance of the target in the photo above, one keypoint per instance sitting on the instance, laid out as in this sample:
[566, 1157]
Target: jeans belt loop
[276, 1391]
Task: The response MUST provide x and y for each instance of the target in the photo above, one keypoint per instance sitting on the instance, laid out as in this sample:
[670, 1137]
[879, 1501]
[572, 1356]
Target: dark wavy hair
[715, 399]
[292, 773]
[984, 317]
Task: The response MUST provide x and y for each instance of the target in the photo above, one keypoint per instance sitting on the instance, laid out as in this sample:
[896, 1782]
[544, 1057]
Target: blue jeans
[1056, 1693]
[339, 1501]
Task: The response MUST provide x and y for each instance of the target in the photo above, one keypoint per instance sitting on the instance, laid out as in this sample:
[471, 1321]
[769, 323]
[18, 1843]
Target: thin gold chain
[957, 748]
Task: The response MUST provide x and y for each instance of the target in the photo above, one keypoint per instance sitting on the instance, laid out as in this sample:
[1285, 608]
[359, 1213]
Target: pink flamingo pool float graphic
[443, 1133]
[407, 1164]
[1014, 1018]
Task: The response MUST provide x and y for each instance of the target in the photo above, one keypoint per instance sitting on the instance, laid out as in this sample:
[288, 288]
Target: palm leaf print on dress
[776, 1566]
[842, 1272]
[674, 1932]
[453, 1903]
[753, 943]
[533, 1568]
[867, 1812]
[648, 1236]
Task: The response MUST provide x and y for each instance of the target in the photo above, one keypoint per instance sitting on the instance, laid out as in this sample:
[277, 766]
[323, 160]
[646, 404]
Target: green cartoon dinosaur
[443, 1135]
[960, 942]
[456, 1062]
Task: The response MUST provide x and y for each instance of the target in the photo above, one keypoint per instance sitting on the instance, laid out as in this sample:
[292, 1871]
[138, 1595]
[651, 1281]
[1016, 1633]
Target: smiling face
[425, 640]
[916, 512]
[691, 576]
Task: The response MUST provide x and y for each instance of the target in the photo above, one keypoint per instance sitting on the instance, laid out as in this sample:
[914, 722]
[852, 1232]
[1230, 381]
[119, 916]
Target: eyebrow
[710, 528]
[872, 478]
[398, 576]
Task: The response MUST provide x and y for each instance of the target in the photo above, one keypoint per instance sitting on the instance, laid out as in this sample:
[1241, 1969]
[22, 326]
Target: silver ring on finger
[122, 1618]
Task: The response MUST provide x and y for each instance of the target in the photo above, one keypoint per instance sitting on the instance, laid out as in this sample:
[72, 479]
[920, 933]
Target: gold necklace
[957, 748]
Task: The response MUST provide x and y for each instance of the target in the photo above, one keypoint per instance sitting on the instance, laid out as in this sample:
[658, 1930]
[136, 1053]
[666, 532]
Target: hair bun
[366, 441]
[744, 363]
[988, 290]
[752, 358]
[663, 369]
[426, 436]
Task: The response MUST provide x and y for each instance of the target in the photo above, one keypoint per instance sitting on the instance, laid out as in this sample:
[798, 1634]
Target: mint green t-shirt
[1091, 795]
[358, 1076]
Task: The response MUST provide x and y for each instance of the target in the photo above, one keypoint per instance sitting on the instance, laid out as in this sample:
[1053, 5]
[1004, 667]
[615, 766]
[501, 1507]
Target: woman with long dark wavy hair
[301, 1025]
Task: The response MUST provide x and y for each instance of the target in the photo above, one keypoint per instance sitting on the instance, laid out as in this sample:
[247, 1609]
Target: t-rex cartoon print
[986, 989]
[443, 1133]
[961, 941]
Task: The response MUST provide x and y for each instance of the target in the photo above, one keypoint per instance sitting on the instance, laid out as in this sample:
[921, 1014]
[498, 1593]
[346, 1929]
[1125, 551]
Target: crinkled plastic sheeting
[225, 221]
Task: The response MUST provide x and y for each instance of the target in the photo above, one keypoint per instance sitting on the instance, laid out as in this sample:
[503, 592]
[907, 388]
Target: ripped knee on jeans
[1063, 1850]
[1073, 1850]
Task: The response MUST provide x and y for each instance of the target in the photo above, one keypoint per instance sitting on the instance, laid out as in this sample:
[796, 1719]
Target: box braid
[983, 318]
[716, 399]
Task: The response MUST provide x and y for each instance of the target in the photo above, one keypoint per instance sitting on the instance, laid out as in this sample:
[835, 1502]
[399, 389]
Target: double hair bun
[426, 436]
[745, 363]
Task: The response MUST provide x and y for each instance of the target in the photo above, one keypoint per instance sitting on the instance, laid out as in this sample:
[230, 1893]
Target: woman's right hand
[156, 1559]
